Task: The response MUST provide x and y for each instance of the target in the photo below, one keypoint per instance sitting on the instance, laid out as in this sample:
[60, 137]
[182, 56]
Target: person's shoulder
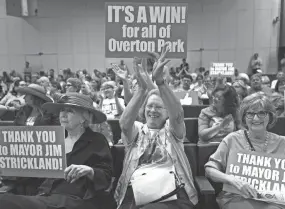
[208, 111]
[277, 138]
[233, 136]
[96, 137]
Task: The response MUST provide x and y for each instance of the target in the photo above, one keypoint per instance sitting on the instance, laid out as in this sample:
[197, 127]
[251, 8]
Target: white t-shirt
[109, 107]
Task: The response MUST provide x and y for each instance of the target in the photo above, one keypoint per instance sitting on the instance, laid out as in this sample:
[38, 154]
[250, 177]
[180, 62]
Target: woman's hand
[138, 69]
[158, 67]
[74, 172]
[247, 190]
[226, 121]
[123, 74]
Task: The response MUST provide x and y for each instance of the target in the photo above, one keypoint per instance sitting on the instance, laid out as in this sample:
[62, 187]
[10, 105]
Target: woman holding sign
[156, 172]
[258, 114]
[89, 162]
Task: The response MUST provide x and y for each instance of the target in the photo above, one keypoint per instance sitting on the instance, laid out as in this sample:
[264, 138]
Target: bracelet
[160, 82]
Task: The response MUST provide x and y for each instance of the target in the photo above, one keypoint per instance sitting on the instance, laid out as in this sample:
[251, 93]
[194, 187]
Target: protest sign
[132, 29]
[222, 70]
[30, 151]
[264, 172]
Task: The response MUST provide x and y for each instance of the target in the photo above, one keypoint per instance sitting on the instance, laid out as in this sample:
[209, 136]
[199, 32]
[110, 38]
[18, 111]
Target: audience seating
[6, 123]
[279, 127]
[191, 125]
[193, 111]
[9, 115]
[116, 130]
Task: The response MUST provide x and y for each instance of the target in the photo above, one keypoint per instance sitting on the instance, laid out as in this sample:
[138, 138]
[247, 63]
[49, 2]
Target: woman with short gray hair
[258, 114]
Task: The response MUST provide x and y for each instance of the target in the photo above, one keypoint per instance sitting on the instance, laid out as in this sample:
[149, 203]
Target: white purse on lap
[153, 184]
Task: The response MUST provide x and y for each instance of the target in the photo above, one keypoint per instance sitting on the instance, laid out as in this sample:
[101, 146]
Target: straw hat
[35, 90]
[74, 99]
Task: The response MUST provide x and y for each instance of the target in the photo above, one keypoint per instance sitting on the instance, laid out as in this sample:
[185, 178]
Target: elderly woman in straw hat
[89, 162]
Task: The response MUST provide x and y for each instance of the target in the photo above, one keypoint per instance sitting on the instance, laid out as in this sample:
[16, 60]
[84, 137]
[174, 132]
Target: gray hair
[258, 99]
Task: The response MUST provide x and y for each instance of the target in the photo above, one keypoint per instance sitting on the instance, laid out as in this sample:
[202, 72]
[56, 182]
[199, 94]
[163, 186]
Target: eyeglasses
[251, 115]
[68, 85]
[218, 98]
[157, 108]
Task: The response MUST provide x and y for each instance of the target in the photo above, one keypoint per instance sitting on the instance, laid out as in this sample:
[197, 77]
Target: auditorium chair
[6, 123]
[116, 129]
[279, 127]
[193, 111]
[191, 125]
[205, 190]
[9, 115]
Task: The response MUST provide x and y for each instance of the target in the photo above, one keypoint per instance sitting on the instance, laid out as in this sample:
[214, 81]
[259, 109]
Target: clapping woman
[156, 172]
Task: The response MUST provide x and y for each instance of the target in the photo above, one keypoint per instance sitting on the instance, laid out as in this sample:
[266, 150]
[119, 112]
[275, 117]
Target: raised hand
[137, 69]
[123, 74]
[158, 67]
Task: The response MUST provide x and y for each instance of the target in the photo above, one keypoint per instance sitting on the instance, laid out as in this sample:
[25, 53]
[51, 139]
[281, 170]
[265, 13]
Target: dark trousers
[182, 202]
[55, 201]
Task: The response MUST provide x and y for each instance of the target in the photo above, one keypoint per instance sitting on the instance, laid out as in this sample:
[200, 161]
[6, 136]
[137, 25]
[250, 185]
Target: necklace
[265, 143]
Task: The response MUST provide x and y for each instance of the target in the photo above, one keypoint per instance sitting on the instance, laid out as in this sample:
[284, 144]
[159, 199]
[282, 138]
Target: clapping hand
[123, 74]
[138, 73]
[158, 66]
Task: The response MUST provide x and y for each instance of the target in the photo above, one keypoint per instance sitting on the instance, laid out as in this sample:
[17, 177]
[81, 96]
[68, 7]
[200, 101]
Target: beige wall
[70, 33]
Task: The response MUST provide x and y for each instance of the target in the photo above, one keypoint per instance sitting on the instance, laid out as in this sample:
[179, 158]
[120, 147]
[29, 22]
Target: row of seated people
[197, 156]
[156, 168]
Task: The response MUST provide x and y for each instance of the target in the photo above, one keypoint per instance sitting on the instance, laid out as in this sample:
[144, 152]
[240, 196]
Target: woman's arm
[119, 106]
[5, 99]
[205, 132]
[127, 92]
[98, 168]
[174, 108]
[218, 176]
[172, 104]
[131, 111]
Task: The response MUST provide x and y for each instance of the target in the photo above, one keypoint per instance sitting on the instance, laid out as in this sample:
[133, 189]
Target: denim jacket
[135, 149]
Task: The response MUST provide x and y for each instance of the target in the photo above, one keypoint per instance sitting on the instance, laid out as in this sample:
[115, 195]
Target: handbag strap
[164, 197]
[174, 192]
[248, 140]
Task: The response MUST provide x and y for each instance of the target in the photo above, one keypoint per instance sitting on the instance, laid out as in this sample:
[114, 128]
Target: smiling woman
[258, 114]
[156, 171]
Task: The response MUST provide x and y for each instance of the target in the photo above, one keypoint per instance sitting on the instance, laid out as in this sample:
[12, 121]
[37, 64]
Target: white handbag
[154, 185]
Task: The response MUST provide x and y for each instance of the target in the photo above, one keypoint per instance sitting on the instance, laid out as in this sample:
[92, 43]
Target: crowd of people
[148, 104]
